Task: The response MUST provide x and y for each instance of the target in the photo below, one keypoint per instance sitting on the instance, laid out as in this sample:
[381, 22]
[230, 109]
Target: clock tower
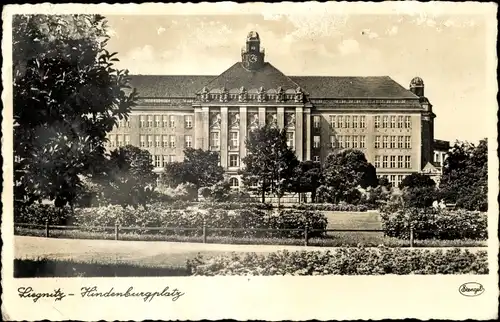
[252, 55]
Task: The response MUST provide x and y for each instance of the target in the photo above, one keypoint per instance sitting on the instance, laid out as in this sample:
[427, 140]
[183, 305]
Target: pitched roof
[352, 87]
[168, 85]
[269, 77]
[236, 76]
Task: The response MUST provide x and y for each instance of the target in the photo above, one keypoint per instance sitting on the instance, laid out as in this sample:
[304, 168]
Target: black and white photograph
[158, 146]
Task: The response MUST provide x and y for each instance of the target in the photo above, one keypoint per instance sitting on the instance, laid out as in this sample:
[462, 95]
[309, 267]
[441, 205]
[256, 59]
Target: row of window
[359, 121]
[393, 179]
[161, 141]
[159, 121]
[393, 142]
[234, 139]
[395, 122]
[118, 140]
[343, 141]
[163, 160]
[393, 161]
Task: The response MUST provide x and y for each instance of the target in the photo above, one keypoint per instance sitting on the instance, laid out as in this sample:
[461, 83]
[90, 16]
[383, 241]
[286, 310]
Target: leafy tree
[199, 167]
[308, 178]
[465, 176]
[343, 173]
[66, 97]
[131, 176]
[416, 180]
[384, 182]
[270, 164]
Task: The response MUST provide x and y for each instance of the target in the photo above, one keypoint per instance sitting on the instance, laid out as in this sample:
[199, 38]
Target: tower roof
[253, 35]
[416, 82]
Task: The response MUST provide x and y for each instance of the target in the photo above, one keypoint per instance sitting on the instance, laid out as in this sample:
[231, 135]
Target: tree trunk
[263, 196]
[313, 196]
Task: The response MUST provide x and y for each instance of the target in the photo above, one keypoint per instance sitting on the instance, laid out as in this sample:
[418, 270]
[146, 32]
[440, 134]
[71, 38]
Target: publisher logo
[471, 289]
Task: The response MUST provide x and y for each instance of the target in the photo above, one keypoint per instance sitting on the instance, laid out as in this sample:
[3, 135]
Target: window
[348, 141]
[384, 161]
[112, 139]
[150, 141]
[127, 123]
[188, 141]
[332, 121]
[377, 122]
[385, 121]
[316, 141]
[119, 123]
[393, 161]
[362, 141]
[393, 142]
[172, 141]
[377, 161]
[119, 140]
[234, 140]
[214, 140]
[362, 122]
[392, 179]
[385, 142]
[188, 121]
[400, 179]
[165, 121]
[407, 162]
[400, 122]
[316, 158]
[233, 160]
[165, 161]
[157, 121]
[158, 141]
[400, 161]
[127, 139]
[436, 157]
[347, 122]
[142, 140]
[234, 183]
[377, 142]
[157, 161]
[150, 120]
[355, 122]
[290, 139]
[142, 120]
[393, 122]
[171, 121]
[408, 142]
[171, 158]
[332, 141]
[340, 142]
[316, 121]
[355, 141]
[408, 122]
[400, 142]
[165, 141]
[340, 121]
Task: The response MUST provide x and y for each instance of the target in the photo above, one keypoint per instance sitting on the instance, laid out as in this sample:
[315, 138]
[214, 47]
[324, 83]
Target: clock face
[252, 58]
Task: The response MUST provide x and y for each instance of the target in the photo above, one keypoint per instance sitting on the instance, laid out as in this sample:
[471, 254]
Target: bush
[436, 224]
[235, 205]
[38, 214]
[344, 261]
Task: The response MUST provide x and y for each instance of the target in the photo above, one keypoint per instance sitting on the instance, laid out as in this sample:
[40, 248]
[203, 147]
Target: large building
[392, 125]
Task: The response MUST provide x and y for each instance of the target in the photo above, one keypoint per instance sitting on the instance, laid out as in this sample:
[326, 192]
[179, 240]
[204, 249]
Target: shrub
[38, 214]
[330, 207]
[430, 223]
[344, 261]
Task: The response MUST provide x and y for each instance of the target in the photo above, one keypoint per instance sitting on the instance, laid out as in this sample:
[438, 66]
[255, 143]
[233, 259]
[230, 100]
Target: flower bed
[344, 261]
[430, 223]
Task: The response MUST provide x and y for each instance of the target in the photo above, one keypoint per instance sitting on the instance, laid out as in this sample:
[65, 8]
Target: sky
[446, 51]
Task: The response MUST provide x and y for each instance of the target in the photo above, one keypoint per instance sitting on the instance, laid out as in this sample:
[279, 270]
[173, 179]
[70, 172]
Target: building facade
[392, 125]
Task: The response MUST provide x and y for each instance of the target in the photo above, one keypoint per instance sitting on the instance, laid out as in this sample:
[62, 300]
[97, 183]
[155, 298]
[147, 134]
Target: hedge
[331, 207]
[344, 261]
[430, 223]
[92, 218]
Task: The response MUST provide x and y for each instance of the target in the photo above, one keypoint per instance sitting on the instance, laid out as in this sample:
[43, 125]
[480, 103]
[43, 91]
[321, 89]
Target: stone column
[243, 131]
[205, 137]
[198, 128]
[308, 137]
[262, 116]
[280, 114]
[299, 132]
[223, 137]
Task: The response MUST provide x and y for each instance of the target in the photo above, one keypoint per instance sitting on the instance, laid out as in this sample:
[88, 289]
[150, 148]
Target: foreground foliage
[345, 261]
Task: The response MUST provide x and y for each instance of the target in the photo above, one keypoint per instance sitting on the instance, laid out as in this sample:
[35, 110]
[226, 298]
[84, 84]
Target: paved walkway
[39, 247]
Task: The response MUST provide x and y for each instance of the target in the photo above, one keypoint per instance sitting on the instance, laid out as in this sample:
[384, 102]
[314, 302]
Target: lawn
[353, 220]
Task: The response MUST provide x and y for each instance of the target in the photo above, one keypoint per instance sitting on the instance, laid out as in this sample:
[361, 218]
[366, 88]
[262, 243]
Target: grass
[333, 239]
[27, 268]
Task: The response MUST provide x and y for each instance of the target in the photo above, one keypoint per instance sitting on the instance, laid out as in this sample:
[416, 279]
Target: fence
[205, 228]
